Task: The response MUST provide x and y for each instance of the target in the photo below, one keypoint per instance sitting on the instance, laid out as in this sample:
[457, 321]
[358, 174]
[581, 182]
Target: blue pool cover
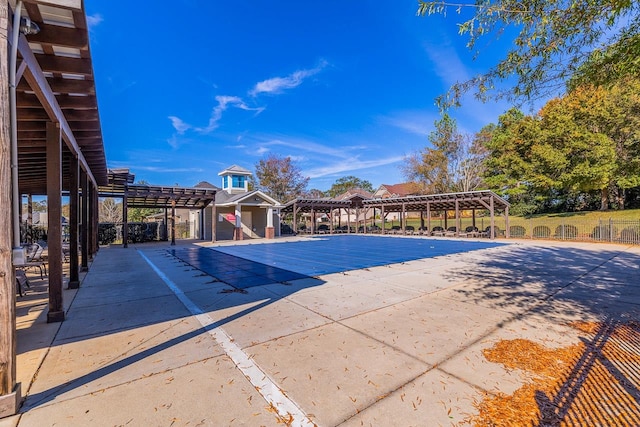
[244, 266]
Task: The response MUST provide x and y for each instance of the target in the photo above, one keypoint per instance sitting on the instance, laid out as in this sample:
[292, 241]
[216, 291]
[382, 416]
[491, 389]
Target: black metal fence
[560, 228]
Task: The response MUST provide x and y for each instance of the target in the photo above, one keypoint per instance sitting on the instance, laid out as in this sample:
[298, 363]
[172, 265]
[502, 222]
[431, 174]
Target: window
[225, 182]
[238, 181]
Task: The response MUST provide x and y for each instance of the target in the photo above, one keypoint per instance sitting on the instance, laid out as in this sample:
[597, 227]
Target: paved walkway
[151, 341]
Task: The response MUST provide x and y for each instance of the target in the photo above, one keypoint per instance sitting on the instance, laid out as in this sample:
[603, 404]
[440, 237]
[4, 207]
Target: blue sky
[187, 88]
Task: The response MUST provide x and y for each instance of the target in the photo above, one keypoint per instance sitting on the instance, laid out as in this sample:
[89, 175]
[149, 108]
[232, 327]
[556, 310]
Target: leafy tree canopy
[280, 178]
[594, 40]
[453, 161]
[347, 183]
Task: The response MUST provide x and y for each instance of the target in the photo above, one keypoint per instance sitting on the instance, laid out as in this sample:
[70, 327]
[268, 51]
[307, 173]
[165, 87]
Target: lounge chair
[396, 229]
[470, 231]
[487, 232]
[409, 230]
[437, 231]
[323, 229]
[451, 232]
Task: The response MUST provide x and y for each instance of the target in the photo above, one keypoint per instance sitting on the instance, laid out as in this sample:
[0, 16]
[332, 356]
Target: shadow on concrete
[565, 285]
[154, 306]
[603, 387]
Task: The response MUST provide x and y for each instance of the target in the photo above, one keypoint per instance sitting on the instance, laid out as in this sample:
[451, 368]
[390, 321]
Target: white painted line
[275, 397]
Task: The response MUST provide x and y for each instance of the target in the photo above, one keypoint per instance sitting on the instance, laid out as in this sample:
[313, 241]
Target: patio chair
[423, 230]
[34, 259]
[21, 281]
[409, 230]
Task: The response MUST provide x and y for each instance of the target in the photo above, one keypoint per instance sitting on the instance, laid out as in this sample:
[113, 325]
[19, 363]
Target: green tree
[141, 214]
[453, 162]
[280, 178]
[587, 141]
[347, 183]
[555, 39]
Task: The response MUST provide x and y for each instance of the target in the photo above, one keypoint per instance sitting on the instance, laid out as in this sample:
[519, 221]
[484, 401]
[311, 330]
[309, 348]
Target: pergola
[425, 204]
[120, 184]
[457, 202]
[51, 144]
[312, 207]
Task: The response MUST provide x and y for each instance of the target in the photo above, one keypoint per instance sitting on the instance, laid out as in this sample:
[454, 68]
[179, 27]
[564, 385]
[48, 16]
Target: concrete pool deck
[150, 340]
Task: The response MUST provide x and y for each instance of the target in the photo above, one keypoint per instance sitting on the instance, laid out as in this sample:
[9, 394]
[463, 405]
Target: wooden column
[173, 223]
[10, 394]
[403, 218]
[125, 218]
[506, 222]
[84, 222]
[493, 220]
[429, 217]
[457, 218]
[74, 274]
[382, 217]
[90, 229]
[96, 220]
[295, 218]
[214, 221]
[29, 218]
[54, 211]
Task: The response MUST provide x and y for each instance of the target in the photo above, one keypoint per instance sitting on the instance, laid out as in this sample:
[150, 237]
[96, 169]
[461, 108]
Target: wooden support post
[457, 218]
[125, 219]
[403, 220]
[173, 223]
[429, 217]
[96, 220]
[214, 221]
[74, 274]
[10, 394]
[90, 224]
[506, 223]
[295, 218]
[54, 211]
[382, 217]
[493, 221]
[30, 218]
[84, 222]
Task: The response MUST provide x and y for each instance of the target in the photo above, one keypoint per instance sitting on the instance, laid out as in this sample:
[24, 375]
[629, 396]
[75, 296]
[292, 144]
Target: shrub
[566, 231]
[603, 232]
[107, 233]
[541, 231]
[517, 231]
[630, 234]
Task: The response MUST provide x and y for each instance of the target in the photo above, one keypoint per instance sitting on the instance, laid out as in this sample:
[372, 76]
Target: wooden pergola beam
[36, 79]
[61, 36]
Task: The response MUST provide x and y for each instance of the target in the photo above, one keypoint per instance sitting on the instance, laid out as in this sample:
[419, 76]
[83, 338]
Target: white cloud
[277, 85]
[448, 65]
[350, 165]
[414, 122]
[94, 20]
[224, 102]
[179, 125]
